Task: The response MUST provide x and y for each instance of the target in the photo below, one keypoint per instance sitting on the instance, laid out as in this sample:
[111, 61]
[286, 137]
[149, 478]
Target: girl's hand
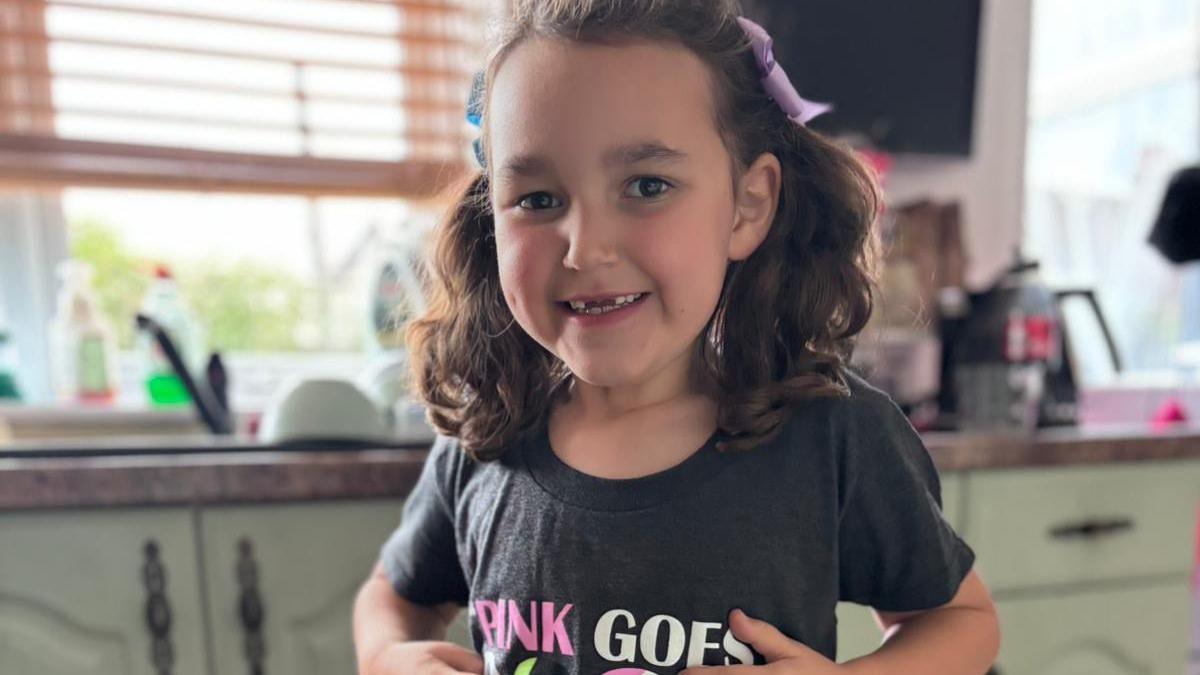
[784, 655]
[423, 658]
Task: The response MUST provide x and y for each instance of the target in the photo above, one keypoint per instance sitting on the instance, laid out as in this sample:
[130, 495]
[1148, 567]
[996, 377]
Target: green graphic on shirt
[535, 666]
[526, 667]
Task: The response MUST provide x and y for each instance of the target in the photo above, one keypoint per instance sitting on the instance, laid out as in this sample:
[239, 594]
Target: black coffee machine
[1011, 333]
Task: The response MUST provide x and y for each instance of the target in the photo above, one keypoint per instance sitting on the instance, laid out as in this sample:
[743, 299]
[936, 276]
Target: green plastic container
[8, 387]
[8, 380]
[166, 389]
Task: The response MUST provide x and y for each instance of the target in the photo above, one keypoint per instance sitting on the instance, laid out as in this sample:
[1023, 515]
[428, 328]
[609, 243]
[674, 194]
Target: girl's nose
[590, 244]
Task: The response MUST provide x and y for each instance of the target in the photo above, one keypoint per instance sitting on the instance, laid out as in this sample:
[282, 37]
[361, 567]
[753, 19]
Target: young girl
[635, 356]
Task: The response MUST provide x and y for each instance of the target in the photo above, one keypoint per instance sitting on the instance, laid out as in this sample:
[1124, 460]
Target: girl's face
[609, 180]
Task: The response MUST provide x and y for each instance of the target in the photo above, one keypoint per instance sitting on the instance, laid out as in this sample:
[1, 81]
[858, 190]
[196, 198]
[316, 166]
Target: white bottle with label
[83, 345]
[164, 303]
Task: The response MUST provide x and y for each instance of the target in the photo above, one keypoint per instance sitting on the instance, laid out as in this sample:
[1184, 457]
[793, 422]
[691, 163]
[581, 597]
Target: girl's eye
[647, 188]
[539, 201]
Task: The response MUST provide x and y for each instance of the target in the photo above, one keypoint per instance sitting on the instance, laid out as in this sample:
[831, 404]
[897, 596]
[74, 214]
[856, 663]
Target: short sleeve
[421, 556]
[896, 550]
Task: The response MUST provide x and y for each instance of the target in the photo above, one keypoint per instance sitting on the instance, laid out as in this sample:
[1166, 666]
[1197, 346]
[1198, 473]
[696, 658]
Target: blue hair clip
[475, 114]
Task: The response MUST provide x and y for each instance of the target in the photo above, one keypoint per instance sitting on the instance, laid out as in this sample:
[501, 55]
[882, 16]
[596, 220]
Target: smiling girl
[636, 359]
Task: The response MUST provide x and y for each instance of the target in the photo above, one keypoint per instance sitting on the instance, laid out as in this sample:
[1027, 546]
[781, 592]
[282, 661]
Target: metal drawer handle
[158, 609]
[1093, 528]
[250, 606]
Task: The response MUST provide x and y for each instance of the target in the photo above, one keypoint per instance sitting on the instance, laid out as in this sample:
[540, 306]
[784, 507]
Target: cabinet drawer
[1050, 526]
[1141, 630]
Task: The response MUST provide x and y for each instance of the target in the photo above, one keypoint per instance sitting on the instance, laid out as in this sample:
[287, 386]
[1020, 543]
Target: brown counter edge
[964, 452]
[275, 477]
[250, 478]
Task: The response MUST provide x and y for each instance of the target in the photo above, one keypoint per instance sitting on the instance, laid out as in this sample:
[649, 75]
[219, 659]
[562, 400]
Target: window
[273, 153]
[1114, 111]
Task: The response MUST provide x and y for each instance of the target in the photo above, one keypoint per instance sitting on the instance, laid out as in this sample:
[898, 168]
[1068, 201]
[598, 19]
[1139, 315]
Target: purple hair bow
[776, 82]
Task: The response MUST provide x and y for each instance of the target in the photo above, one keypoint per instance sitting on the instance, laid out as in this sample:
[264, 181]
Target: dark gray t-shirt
[574, 574]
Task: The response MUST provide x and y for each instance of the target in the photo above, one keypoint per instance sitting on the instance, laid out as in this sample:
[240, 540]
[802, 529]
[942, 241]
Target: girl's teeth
[618, 303]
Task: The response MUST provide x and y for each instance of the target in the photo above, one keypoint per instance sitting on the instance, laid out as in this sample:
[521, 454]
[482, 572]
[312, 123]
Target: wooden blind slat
[437, 52]
[17, 92]
[35, 41]
[418, 103]
[31, 162]
[407, 36]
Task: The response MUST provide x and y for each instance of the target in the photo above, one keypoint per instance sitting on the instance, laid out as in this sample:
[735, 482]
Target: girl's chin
[597, 374]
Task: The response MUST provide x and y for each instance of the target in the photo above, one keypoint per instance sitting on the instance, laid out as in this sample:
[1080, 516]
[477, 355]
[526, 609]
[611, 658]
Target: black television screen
[901, 74]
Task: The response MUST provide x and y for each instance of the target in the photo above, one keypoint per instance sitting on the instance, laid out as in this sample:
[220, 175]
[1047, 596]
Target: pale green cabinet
[79, 592]
[1139, 630]
[1088, 565]
[459, 631]
[858, 633]
[281, 582]
[272, 585]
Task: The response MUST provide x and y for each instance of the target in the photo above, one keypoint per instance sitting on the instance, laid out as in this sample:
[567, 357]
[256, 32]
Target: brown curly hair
[787, 317]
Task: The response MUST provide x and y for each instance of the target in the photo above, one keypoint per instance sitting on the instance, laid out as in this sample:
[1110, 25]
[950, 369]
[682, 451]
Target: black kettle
[1016, 325]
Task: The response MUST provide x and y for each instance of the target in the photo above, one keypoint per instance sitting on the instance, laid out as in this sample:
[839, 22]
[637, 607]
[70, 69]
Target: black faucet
[211, 399]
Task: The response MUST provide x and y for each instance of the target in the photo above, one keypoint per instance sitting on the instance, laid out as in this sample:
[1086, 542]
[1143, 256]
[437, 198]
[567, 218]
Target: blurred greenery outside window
[282, 286]
[279, 285]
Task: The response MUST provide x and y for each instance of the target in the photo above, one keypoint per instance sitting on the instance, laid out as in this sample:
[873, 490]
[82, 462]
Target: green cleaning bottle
[164, 303]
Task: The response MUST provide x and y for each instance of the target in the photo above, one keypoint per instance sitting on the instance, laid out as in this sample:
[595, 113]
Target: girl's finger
[727, 670]
[461, 659]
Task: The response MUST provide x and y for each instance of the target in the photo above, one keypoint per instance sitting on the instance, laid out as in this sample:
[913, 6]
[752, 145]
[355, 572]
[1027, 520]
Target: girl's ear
[755, 202]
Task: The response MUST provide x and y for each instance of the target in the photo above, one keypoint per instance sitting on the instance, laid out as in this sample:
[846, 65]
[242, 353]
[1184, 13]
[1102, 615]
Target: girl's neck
[683, 385]
[634, 431]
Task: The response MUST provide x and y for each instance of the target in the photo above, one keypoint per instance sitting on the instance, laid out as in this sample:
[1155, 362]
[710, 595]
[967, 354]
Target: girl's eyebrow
[641, 152]
[526, 166]
[523, 166]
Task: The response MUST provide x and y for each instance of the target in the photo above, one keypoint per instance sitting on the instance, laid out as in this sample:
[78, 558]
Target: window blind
[297, 96]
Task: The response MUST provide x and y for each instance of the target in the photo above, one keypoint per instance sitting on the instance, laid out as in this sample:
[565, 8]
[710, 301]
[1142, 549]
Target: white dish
[322, 410]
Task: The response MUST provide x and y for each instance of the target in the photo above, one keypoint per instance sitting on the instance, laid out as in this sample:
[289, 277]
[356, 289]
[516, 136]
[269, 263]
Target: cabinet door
[459, 631]
[1140, 630]
[79, 590]
[281, 582]
[858, 634]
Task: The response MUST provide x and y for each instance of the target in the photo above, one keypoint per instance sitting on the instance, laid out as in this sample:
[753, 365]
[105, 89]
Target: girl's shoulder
[454, 466]
[862, 405]
[863, 431]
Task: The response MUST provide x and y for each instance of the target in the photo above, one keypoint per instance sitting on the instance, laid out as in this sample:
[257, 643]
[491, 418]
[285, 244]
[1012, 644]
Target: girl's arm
[962, 637]
[382, 618]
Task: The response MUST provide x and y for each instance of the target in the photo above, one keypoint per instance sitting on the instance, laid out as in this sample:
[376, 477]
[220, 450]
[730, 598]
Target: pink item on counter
[1171, 412]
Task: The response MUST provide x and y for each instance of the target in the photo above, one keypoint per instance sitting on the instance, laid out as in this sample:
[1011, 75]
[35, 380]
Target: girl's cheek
[520, 266]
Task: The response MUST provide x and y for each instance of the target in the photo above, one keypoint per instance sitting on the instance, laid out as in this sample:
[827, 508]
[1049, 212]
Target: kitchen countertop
[224, 472]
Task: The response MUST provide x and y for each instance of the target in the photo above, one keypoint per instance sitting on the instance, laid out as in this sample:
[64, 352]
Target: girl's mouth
[603, 311]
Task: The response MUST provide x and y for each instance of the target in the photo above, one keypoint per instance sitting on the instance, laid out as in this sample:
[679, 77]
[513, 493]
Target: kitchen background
[257, 180]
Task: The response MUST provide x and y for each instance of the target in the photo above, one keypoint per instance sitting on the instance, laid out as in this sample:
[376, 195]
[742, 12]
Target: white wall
[990, 184]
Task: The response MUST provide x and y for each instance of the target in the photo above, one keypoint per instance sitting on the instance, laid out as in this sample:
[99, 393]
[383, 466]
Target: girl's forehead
[551, 95]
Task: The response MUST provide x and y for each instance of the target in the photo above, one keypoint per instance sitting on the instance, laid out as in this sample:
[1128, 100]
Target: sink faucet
[209, 397]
